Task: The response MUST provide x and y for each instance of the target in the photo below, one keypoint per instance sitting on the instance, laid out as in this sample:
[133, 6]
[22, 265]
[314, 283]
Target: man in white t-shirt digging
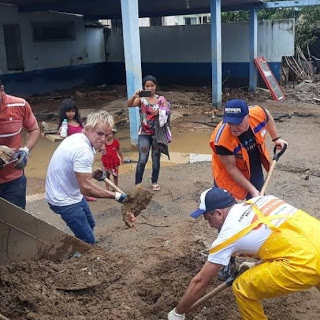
[284, 238]
[69, 176]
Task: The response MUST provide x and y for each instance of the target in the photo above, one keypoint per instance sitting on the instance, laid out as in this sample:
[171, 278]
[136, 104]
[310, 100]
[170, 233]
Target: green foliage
[308, 26]
[235, 16]
[307, 20]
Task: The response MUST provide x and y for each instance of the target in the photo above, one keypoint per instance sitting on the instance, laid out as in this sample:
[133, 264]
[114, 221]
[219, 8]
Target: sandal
[155, 187]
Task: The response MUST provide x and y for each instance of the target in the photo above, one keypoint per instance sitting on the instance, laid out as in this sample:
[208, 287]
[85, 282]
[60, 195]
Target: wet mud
[142, 274]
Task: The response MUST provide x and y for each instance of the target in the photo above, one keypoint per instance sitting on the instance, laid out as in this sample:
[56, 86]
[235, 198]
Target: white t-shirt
[241, 216]
[74, 154]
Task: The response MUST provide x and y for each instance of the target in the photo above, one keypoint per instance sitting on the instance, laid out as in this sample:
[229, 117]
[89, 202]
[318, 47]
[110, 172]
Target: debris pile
[307, 91]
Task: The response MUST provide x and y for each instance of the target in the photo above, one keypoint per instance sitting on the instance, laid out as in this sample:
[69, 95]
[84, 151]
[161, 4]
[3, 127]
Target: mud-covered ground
[142, 274]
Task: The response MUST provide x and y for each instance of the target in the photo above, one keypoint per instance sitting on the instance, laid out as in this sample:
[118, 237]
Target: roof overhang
[111, 9]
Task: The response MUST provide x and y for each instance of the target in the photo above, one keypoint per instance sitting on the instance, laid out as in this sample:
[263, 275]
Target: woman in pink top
[69, 110]
[150, 109]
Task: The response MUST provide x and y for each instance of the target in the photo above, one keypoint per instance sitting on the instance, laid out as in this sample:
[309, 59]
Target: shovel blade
[24, 237]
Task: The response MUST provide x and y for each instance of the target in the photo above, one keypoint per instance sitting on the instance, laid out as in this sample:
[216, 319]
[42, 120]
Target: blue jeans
[15, 191]
[145, 143]
[78, 218]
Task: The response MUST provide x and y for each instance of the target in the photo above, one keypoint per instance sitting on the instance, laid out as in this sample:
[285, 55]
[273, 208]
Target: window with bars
[155, 21]
[53, 31]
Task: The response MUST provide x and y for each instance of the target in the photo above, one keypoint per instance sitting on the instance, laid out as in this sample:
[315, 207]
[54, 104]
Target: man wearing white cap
[283, 237]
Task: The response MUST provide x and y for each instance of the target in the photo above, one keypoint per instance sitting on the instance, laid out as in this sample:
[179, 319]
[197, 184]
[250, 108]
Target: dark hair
[149, 78]
[67, 105]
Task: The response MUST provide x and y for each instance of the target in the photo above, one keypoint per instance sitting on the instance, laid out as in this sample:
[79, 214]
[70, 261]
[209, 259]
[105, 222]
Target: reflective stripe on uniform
[10, 134]
[262, 219]
[19, 104]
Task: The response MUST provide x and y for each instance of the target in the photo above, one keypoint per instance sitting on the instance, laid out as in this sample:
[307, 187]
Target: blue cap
[234, 111]
[211, 199]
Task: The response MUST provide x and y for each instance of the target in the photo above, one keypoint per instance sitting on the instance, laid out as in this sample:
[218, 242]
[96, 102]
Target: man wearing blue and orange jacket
[239, 152]
[239, 148]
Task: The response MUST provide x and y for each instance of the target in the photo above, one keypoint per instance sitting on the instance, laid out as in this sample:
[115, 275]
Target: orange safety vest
[222, 136]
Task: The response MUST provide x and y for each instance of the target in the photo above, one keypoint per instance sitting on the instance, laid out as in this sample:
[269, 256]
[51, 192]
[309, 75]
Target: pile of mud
[95, 285]
[101, 285]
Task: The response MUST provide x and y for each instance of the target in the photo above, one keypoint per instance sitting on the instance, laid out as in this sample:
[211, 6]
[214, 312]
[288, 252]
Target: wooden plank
[52, 137]
[269, 79]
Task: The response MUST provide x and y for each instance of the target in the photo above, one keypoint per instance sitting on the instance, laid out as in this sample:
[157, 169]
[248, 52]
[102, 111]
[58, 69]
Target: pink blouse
[73, 129]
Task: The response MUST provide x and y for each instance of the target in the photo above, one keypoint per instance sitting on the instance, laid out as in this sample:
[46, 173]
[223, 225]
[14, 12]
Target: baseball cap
[234, 111]
[211, 199]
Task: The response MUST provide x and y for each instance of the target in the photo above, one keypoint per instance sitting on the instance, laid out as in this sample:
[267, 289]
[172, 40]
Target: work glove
[22, 158]
[244, 266]
[172, 315]
[99, 174]
[120, 197]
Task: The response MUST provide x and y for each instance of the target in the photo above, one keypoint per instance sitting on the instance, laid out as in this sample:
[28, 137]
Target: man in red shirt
[15, 114]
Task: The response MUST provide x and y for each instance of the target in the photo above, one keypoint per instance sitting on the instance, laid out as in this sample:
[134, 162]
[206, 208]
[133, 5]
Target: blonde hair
[100, 116]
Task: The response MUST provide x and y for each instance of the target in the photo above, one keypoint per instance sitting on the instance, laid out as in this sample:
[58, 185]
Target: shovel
[137, 200]
[275, 159]
[127, 216]
[112, 185]
[215, 291]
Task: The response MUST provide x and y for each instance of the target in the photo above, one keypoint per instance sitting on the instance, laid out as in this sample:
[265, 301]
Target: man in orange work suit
[239, 152]
[15, 114]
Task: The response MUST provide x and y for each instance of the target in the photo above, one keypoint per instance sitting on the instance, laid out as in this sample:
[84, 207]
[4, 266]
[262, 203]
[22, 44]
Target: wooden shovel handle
[216, 290]
[2, 317]
[112, 185]
[275, 158]
[266, 182]
[209, 295]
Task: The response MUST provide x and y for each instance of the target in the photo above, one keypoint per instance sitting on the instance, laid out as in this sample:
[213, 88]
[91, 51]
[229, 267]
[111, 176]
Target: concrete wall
[62, 64]
[174, 54]
[184, 51]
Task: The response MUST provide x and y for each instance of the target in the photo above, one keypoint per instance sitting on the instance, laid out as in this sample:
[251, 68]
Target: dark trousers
[15, 191]
[78, 218]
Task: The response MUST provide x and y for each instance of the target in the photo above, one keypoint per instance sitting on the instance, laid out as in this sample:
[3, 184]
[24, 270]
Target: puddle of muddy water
[186, 147]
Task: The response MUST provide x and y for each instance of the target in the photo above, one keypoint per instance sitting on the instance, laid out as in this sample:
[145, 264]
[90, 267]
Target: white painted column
[132, 54]
[216, 60]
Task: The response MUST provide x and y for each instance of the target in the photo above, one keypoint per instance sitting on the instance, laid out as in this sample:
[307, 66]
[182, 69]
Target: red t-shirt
[15, 114]
[110, 157]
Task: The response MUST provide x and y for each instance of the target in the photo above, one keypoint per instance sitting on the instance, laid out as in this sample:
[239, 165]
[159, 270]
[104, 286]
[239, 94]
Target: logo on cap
[233, 110]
